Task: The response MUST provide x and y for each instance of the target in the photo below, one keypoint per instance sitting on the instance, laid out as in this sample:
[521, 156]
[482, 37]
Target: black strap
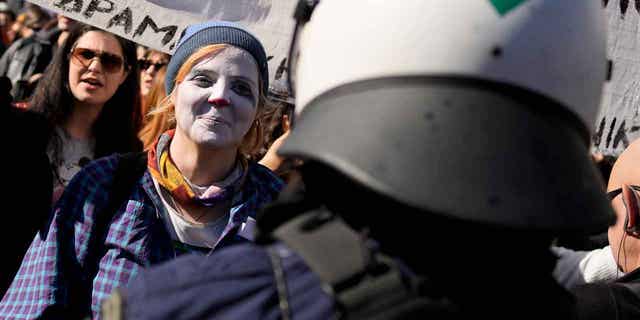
[316, 235]
[128, 171]
[631, 281]
[281, 283]
[365, 285]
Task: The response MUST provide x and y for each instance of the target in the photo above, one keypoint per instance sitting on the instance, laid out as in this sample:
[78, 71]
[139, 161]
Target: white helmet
[558, 47]
[480, 110]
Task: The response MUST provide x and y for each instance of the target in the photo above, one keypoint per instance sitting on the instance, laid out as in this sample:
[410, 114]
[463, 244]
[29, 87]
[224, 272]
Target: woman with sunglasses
[149, 65]
[89, 95]
[154, 123]
[153, 67]
[198, 191]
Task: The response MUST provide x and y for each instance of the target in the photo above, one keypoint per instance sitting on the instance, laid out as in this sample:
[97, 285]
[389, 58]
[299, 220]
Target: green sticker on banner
[504, 6]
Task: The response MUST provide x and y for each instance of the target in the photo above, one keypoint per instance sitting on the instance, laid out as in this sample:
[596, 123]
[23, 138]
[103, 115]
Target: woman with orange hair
[197, 190]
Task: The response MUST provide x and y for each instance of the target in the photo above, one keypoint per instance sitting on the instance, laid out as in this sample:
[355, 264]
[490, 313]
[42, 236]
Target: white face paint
[232, 75]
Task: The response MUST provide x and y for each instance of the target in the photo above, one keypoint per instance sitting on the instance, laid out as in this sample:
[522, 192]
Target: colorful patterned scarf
[169, 176]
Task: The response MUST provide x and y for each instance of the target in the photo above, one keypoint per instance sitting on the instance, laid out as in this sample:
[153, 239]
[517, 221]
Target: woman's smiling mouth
[213, 121]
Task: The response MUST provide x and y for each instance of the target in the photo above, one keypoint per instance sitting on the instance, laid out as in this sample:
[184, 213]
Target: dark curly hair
[115, 128]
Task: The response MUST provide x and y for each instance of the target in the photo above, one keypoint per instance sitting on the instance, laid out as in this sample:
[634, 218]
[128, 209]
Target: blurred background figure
[150, 65]
[7, 17]
[154, 123]
[64, 26]
[44, 45]
[30, 20]
[30, 54]
[16, 6]
[277, 130]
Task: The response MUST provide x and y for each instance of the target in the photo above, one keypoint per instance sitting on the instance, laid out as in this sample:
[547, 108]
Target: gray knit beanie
[216, 32]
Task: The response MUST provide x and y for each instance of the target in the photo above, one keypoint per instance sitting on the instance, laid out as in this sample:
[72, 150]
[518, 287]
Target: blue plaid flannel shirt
[136, 238]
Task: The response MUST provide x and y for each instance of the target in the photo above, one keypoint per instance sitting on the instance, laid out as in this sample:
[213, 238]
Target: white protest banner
[619, 120]
[159, 23]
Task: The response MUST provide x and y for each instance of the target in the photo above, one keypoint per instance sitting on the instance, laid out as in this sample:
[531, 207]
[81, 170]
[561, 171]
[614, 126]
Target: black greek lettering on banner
[624, 5]
[614, 138]
[94, 6]
[62, 4]
[170, 31]
[124, 18]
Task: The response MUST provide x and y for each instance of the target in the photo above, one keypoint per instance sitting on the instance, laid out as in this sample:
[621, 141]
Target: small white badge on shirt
[248, 229]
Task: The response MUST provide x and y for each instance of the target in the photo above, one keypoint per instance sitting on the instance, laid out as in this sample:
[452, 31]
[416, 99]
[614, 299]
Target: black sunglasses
[110, 62]
[145, 64]
[615, 192]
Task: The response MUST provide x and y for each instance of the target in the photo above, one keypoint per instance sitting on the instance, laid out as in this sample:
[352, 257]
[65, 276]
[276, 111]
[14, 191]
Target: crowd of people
[401, 173]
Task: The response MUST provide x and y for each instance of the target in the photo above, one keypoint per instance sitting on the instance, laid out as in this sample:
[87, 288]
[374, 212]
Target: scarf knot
[164, 170]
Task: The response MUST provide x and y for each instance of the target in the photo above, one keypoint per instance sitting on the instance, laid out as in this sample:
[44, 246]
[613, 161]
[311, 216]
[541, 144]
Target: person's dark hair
[10, 14]
[50, 24]
[36, 17]
[114, 129]
[275, 125]
[605, 166]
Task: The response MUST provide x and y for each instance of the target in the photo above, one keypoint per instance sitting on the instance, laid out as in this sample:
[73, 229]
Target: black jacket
[26, 196]
[613, 301]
